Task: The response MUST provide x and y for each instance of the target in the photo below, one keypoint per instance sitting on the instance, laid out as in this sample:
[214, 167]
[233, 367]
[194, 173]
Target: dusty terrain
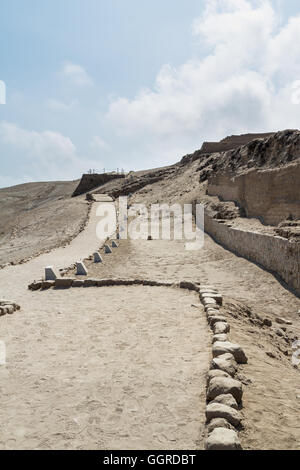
[94, 371]
[125, 367]
[38, 216]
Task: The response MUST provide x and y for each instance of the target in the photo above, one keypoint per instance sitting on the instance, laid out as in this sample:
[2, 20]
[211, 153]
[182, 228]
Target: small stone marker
[81, 269]
[107, 249]
[97, 257]
[223, 439]
[114, 244]
[50, 274]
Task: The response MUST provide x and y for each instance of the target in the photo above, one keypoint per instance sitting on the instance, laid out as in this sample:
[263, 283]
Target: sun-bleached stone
[218, 410]
[223, 347]
[223, 386]
[225, 362]
[50, 274]
[81, 269]
[97, 257]
[223, 439]
[221, 327]
[226, 399]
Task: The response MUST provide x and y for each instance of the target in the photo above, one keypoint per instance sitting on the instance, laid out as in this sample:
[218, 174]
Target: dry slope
[38, 216]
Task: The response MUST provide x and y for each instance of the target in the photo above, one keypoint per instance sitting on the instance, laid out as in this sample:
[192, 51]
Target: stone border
[66, 283]
[277, 255]
[7, 306]
[224, 393]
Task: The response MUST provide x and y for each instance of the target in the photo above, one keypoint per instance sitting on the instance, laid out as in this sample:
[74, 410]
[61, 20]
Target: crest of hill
[237, 153]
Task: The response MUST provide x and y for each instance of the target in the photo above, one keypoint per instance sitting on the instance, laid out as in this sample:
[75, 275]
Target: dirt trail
[119, 368]
[124, 367]
[15, 279]
[271, 398]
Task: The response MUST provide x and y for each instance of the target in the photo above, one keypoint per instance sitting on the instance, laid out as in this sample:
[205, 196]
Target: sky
[97, 84]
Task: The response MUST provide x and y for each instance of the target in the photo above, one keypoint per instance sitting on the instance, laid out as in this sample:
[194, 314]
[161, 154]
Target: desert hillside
[38, 216]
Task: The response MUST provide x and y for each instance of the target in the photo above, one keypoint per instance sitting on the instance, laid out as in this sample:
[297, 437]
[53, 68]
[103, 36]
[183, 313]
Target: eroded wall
[276, 254]
[270, 195]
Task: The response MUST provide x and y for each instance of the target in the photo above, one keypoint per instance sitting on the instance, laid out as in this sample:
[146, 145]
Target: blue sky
[138, 84]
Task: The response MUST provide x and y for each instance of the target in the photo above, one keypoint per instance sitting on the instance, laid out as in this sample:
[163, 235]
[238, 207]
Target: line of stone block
[224, 393]
[81, 270]
[8, 307]
[65, 283]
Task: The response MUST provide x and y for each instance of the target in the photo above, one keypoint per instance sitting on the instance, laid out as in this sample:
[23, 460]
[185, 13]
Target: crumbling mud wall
[91, 181]
[270, 195]
[275, 254]
[232, 142]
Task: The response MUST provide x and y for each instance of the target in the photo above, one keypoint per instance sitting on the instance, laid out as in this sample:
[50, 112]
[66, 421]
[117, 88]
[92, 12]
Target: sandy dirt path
[119, 368]
[272, 397]
[15, 279]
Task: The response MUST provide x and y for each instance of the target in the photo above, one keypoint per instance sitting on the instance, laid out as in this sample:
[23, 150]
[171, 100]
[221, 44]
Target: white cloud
[76, 74]
[47, 154]
[243, 84]
[99, 144]
[60, 106]
[45, 144]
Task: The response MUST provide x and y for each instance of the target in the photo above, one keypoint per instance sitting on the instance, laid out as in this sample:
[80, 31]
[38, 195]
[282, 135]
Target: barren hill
[38, 216]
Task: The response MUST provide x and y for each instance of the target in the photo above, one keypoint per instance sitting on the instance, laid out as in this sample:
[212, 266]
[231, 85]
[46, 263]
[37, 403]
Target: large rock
[63, 282]
[35, 285]
[2, 310]
[209, 301]
[223, 347]
[10, 309]
[223, 386]
[212, 295]
[213, 319]
[212, 312]
[188, 285]
[217, 410]
[221, 338]
[211, 307]
[226, 363]
[216, 373]
[226, 399]
[218, 423]
[220, 328]
[223, 439]
[9, 302]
